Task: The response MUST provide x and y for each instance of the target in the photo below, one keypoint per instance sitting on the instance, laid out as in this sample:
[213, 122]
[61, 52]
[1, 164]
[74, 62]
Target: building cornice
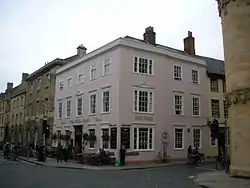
[131, 44]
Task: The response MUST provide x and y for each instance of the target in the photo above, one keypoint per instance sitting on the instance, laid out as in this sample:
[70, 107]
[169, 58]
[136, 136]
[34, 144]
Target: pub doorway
[78, 138]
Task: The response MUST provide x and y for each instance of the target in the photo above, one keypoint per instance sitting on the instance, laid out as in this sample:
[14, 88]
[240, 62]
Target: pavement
[24, 175]
[220, 179]
[50, 162]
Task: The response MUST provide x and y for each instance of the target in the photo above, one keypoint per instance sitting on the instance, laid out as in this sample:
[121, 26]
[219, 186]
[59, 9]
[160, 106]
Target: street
[23, 175]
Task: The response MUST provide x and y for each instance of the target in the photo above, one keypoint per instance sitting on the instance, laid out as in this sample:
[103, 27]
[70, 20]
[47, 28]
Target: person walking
[59, 152]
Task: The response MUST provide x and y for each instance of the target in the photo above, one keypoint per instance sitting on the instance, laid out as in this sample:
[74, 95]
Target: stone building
[40, 92]
[5, 130]
[217, 105]
[148, 97]
[235, 17]
[17, 111]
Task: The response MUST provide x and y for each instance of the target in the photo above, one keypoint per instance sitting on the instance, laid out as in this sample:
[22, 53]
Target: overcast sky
[33, 32]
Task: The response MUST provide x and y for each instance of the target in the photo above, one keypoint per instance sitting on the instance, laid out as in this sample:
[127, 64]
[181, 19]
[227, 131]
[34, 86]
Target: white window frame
[77, 97]
[103, 91]
[199, 105]
[109, 133]
[182, 104]
[70, 82]
[60, 117]
[137, 140]
[214, 87]
[181, 74]
[148, 66]
[183, 138]
[136, 100]
[90, 108]
[95, 141]
[198, 76]
[70, 108]
[80, 81]
[93, 68]
[61, 85]
[106, 62]
[200, 144]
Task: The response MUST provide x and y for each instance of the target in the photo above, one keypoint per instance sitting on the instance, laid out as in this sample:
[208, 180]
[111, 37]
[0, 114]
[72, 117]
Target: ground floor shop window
[143, 138]
[125, 137]
[113, 138]
[105, 142]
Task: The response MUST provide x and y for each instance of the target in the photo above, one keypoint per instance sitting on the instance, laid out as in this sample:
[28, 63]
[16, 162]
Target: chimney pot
[81, 50]
[189, 44]
[189, 34]
[149, 35]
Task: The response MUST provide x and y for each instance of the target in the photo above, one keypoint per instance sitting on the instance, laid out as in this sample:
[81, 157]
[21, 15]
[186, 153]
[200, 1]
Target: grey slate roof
[214, 66]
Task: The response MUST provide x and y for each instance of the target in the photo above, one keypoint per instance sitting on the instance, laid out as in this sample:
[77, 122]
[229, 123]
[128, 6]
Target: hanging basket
[85, 136]
[54, 137]
[105, 137]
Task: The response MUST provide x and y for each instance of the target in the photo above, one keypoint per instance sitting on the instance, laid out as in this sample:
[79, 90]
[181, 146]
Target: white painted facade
[168, 94]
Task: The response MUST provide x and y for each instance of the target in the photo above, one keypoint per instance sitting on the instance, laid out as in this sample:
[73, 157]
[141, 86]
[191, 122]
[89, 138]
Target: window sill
[213, 146]
[196, 83]
[178, 149]
[91, 79]
[106, 74]
[78, 116]
[179, 115]
[146, 150]
[196, 116]
[144, 74]
[104, 113]
[67, 117]
[92, 114]
[148, 113]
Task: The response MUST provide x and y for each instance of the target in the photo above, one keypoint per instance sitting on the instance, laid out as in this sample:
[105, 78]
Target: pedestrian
[122, 155]
[65, 156]
[59, 152]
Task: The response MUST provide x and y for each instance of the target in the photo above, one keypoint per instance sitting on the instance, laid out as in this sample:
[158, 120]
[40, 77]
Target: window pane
[106, 101]
[178, 138]
[196, 138]
[113, 138]
[143, 138]
[125, 137]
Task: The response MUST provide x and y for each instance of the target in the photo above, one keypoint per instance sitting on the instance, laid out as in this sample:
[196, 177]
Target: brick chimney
[81, 50]
[189, 44]
[149, 35]
[24, 76]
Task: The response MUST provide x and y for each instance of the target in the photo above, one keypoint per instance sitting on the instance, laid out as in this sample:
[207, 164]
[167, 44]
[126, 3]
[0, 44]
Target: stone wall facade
[235, 16]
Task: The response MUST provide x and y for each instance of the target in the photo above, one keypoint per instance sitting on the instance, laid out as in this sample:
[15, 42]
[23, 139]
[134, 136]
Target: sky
[33, 32]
